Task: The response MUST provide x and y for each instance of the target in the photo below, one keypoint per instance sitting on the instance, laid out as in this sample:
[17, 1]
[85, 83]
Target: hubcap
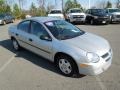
[65, 66]
[91, 21]
[15, 44]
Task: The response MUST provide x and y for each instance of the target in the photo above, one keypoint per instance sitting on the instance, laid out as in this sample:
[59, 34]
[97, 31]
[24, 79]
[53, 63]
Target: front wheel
[66, 65]
[92, 22]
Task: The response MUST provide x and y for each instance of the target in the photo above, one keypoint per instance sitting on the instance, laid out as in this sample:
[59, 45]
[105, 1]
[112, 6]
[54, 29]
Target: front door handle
[30, 40]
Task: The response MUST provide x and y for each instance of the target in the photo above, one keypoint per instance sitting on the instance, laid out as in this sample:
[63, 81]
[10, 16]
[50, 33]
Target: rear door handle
[30, 40]
[17, 34]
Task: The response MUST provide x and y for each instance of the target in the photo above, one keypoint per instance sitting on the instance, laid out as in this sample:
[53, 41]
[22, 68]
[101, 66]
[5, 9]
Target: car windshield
[55, 12]
[98, 11]
[76, 11]
[63, 30]
[114, 10]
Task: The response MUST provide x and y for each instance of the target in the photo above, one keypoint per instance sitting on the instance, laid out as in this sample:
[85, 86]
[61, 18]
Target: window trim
[29, 28]
[41, 25]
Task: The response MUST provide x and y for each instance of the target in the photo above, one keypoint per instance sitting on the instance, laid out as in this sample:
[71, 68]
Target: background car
[6, 18]
[76, 15]
[73, 50]
[114, 13]
[56, 13]
[95, 16]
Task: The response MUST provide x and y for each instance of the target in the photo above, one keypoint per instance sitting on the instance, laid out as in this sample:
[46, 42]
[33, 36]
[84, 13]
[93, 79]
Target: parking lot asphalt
[26, 71]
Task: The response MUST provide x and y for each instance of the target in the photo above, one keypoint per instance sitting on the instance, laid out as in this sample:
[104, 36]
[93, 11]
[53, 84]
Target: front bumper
[77, 19]
[102, 20]
[116, 20]
[97, 68]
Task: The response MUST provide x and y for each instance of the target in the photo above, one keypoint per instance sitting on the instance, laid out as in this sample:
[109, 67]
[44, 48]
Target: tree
[16, 11]
[101, 4]
[41, 9]
[33, 9]
[109, 4]
[49, 7]
[118, 4]
[71, 4]
[4, 8]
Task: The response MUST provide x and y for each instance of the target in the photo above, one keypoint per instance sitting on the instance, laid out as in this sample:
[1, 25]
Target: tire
[67, 66]
[92, 22]
[13, 20]
[4, 22]
[16, 46]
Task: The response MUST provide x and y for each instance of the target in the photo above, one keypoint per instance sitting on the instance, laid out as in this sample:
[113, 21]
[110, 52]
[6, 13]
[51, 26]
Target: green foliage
[41, 12]
[109, 4]
[4, 8]
[33, 10]
[71, 4]
[16, 11]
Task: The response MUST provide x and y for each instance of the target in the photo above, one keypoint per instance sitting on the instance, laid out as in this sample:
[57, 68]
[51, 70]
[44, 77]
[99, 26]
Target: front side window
[24, 26]
[63, 30]
[37, 29]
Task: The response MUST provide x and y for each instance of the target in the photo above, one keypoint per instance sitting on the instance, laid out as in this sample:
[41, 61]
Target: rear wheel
[16, 46]
[66, 65]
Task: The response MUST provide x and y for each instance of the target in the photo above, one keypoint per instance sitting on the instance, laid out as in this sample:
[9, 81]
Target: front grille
[118, 16]
[105, 55]
[78, 16]
[103, 18]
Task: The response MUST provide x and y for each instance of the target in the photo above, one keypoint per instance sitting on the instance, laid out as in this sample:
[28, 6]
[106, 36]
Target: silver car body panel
[76, 47]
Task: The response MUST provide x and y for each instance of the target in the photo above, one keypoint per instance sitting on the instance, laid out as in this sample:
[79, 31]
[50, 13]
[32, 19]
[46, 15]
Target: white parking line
[103, 87]
[6, 64]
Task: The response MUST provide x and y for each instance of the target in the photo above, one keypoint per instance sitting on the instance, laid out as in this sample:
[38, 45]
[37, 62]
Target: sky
[84, 3]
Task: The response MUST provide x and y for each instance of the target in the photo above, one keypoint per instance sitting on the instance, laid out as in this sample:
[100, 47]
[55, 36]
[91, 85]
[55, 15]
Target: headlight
[71, 16]
[92, 57]
[114, 16]
[96, 17]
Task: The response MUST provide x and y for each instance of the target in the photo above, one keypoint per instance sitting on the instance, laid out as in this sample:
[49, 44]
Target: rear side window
[24, 26]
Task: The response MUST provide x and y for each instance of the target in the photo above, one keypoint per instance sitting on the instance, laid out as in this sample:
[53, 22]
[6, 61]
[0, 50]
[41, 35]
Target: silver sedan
[73, 50]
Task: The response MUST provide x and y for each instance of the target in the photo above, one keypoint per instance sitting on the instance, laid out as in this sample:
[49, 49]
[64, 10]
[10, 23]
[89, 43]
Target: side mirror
[45, 37]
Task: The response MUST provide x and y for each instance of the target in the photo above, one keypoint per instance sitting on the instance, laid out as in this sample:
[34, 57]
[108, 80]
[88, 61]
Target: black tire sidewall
[17, 44]
[70, 60]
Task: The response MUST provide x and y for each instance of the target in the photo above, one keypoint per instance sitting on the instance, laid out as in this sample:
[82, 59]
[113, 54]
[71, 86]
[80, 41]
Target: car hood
[116, 13]
[89, 43]
[55, 15]
[77, 13]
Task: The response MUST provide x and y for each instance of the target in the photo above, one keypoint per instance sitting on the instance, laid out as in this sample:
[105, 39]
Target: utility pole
[62, 5]
[89, 4]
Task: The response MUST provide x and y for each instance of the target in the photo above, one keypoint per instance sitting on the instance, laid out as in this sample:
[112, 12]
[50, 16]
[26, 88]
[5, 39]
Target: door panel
[41, 47]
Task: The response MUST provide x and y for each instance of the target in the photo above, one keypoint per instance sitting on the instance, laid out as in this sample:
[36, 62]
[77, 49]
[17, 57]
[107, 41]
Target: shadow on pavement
[35, 59]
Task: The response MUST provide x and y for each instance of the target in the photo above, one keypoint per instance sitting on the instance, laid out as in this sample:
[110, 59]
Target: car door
[88, 15]
[40, 46]
[22, 34]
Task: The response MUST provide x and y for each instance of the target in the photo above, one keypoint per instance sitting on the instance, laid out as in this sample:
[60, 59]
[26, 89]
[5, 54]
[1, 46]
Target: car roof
[43, 19]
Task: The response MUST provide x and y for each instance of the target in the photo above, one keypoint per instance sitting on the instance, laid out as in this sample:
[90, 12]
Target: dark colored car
[95, 16]
[6, 18]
